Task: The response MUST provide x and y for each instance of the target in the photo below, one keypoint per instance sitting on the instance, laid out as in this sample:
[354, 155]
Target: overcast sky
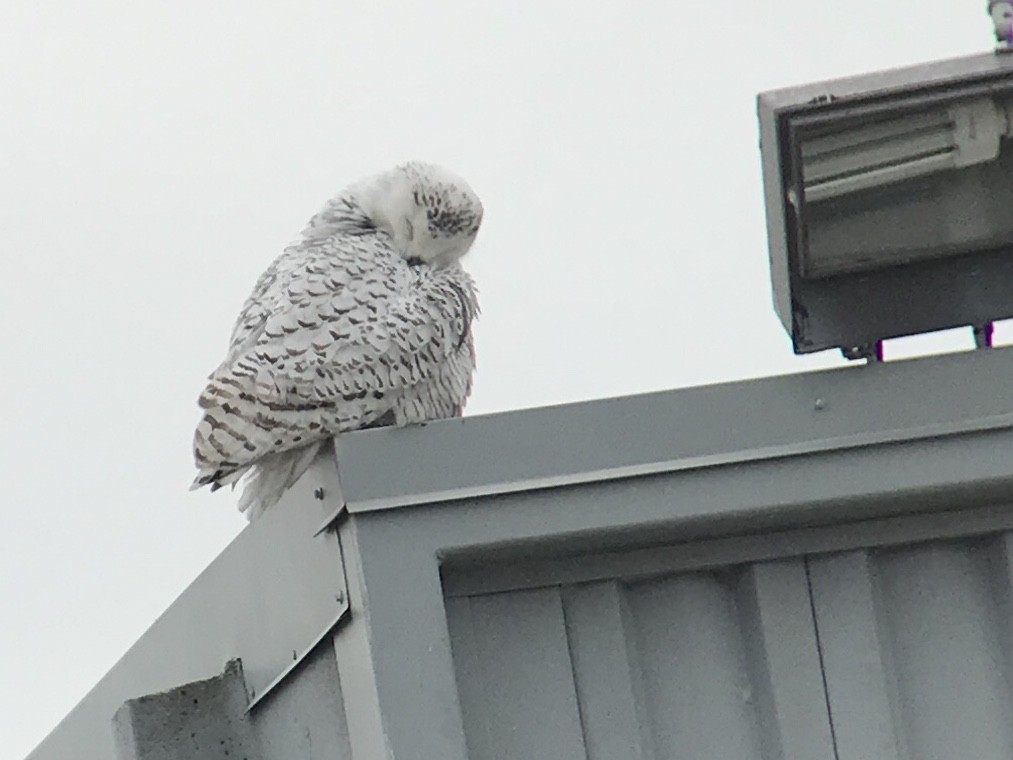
[157, 156]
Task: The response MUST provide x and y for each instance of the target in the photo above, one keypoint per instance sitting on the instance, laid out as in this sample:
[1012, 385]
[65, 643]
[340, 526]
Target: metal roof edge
[678, 430]
[996, 422]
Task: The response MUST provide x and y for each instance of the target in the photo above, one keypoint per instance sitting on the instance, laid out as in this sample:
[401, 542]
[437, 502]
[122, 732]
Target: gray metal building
[809, 566]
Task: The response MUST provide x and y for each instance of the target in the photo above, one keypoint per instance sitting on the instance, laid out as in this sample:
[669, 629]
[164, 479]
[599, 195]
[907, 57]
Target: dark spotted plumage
[366, 321]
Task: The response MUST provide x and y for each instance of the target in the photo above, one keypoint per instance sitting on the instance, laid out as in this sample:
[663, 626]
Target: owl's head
[430, 213]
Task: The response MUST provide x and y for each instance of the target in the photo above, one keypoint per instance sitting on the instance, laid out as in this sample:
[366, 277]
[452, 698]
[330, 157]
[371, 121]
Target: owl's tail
[269, 477]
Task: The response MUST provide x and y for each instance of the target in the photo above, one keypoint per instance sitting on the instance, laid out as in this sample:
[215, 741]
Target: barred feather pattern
[364, 322]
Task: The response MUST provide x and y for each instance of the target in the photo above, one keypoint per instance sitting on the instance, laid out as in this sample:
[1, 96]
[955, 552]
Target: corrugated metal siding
[916, 647]
[895, 653]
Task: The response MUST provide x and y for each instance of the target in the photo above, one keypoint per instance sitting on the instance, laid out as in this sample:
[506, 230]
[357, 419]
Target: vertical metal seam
[635, 671]
[998, 587]
[561, 592]
[819, 654]
[478, 669]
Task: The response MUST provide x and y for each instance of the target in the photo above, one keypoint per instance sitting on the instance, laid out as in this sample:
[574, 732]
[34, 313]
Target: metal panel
[916, 646]
[637, 435]
[783, 655]
[514, 654]
[305, 716]
[860, 308]
[859, 682]
[937, 611]
[606, 671]
[489, 577]
[698, 694]
[280, 614]
[394, 657]
[1001, 571]
[471, 684]
[268, 599]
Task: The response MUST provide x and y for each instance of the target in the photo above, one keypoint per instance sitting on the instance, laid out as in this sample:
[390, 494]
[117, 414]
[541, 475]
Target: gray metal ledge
[739, 422]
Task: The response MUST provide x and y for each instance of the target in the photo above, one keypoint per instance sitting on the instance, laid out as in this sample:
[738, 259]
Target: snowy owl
[364, 322]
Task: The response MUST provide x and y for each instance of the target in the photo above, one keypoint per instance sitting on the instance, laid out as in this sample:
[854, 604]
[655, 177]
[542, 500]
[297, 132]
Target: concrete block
[198, 721]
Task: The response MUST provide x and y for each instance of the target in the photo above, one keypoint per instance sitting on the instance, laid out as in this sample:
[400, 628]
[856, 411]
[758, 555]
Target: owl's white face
[432, 214]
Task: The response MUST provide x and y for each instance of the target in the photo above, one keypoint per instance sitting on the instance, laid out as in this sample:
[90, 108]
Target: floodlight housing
[889, 202]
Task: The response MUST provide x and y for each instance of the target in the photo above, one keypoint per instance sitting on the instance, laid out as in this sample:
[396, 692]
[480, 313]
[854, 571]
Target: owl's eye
[415, 261]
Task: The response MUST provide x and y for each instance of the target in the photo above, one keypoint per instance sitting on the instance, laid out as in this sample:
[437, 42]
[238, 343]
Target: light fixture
[890, 202]
[871, 155]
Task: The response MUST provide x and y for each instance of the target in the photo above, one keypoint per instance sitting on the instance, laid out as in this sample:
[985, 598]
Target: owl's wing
[320, 350]
[359, 343]
[267, 297]
[324, 341]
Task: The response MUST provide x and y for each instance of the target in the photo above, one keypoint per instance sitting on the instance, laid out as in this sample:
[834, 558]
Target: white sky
[154, 157]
